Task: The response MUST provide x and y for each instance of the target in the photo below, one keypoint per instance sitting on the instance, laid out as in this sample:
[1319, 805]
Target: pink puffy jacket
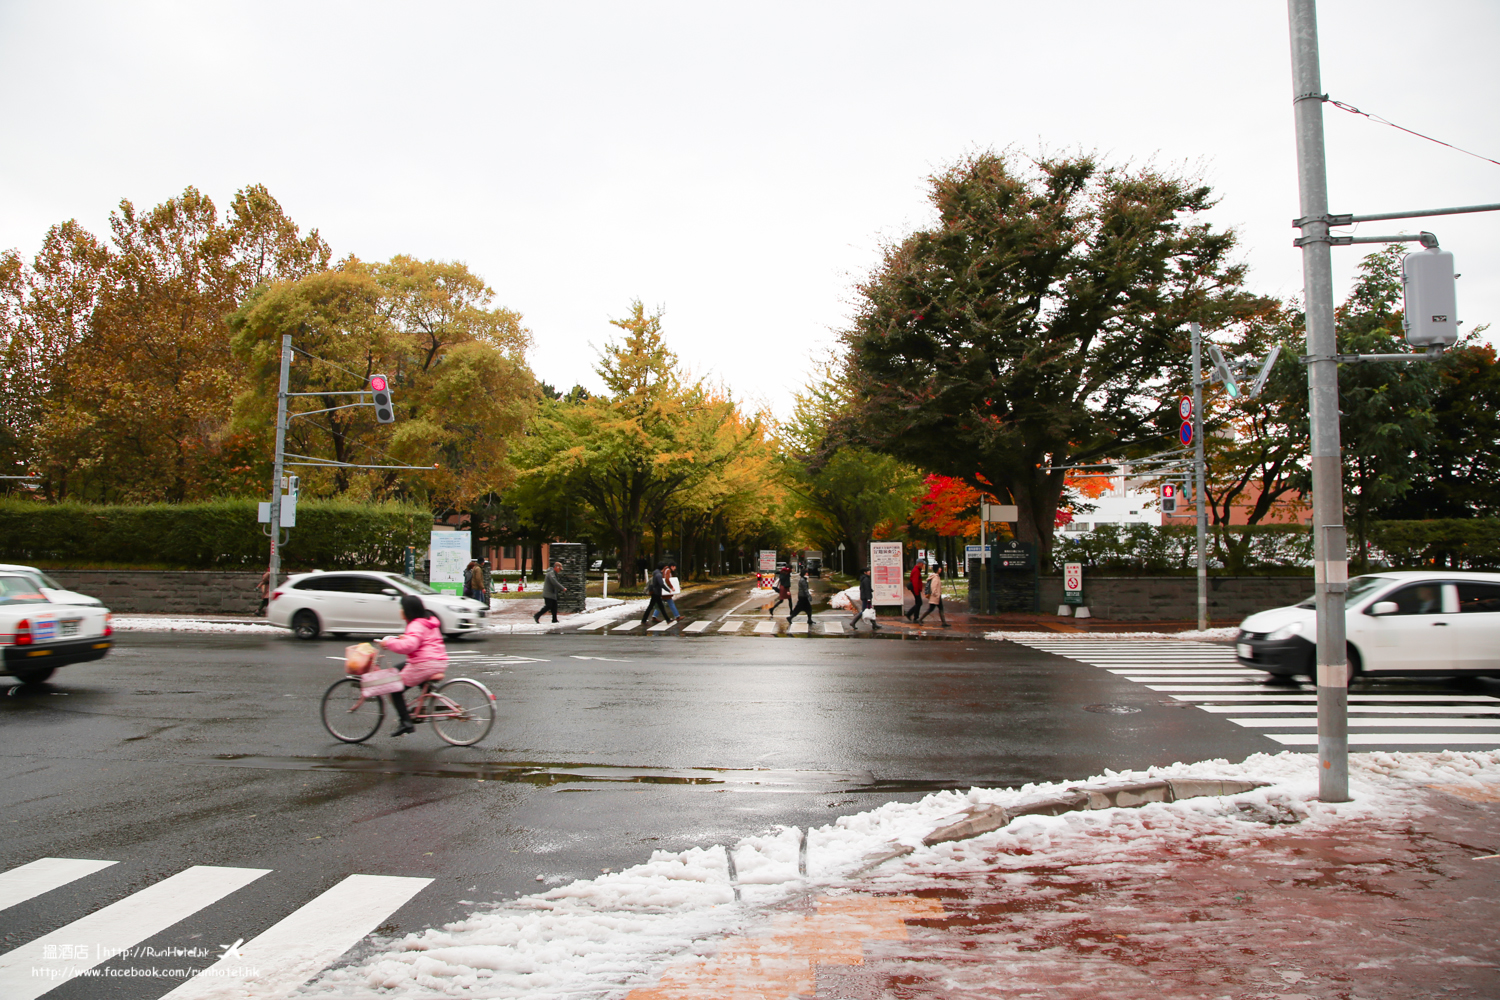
[426, 656]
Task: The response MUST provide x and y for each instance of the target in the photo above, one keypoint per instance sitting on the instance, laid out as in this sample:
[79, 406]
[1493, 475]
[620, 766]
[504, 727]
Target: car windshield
[415, 586]
[19, 590]
[1358, 587]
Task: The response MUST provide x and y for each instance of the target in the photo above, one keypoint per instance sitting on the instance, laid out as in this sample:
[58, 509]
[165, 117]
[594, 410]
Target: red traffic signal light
[385, 410]
[1168, 498]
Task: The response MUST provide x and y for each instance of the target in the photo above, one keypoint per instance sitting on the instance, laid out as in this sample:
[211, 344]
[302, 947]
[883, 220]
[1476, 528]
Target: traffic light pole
[1200, 478]
[1330, 555]
[278, 463]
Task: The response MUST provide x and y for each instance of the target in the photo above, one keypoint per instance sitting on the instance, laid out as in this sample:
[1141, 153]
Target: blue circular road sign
[1186, 432]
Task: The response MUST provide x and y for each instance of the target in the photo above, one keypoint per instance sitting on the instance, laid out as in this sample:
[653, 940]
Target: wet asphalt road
[190, 749]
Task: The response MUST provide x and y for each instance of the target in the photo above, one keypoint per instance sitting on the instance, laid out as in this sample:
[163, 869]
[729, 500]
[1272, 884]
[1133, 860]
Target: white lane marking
[591, 626]
[660, 627]
[765, 628]
[833, 628]
[606, 659]
[307, 941]
[1224, 688]
[627, 628]
[797, 628]
[1376, 720]
[1401, 739]
[43, 875]
[698, 626]
[26, 975]
[1376, 710]
[1353, 698]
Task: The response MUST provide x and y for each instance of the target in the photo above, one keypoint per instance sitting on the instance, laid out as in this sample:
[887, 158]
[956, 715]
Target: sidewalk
[1361, 912]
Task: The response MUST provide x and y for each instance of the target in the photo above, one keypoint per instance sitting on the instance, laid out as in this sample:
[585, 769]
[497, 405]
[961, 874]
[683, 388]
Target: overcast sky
[738, 165]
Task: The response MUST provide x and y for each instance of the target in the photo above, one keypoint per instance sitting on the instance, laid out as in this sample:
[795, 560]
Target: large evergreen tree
[1037, 323]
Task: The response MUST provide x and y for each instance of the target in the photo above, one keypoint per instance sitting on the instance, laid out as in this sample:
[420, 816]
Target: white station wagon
[1402, 622]
[38, 635]
[363, 601]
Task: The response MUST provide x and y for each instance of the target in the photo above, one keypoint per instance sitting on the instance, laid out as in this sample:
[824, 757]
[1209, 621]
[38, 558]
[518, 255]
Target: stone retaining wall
[215, 592]
[1175, 598]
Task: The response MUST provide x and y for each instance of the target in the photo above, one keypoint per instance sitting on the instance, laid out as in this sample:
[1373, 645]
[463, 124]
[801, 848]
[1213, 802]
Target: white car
[1401, 622]
[38, 635]
[51, 589]
[363, 601]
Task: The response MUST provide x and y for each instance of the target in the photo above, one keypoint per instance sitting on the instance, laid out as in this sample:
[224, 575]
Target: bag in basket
[385, 680]
[358, 658]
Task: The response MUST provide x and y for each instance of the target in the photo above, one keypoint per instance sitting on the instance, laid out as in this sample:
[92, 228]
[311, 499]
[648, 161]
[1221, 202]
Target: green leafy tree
[632, 455]
[1036, 324]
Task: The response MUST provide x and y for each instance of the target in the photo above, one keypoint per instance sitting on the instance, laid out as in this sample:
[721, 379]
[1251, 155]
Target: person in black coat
[804, 601]
[866, 600]
[783, 589]
[656, 588]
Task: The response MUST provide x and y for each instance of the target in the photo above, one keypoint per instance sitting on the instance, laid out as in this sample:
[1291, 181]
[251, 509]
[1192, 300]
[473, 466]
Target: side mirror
[390, 591]
[1384, 608]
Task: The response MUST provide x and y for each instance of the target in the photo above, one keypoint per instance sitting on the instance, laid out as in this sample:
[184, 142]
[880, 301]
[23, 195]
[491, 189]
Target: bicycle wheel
[348, 718]
[462, 712]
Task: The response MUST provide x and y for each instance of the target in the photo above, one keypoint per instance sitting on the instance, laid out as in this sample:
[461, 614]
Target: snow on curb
[126, 624]
[1193, 634]
[597, 937]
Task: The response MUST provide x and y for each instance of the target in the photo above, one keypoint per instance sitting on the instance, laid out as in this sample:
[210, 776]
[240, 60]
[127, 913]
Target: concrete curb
[985, 819]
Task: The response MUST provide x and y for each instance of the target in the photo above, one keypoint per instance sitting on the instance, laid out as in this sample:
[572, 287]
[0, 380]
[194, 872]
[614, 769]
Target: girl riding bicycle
[426, 656]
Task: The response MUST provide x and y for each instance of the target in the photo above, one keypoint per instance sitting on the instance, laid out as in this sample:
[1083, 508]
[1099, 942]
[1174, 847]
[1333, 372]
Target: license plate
[1244, 650]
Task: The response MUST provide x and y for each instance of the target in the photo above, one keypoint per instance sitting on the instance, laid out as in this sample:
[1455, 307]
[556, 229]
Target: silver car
[363, 601]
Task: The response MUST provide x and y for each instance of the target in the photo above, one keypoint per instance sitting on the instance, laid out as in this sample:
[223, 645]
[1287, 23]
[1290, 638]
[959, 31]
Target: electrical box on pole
[1430, 298]
[385, 409]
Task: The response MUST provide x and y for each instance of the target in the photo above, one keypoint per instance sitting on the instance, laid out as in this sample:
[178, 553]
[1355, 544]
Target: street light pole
[278, 462]
[1330, 555]
[1200, 477]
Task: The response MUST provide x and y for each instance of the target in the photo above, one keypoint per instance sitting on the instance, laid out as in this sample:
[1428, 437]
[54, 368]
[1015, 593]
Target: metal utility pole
[1330, 556]
[1200, 477]
[278, 463]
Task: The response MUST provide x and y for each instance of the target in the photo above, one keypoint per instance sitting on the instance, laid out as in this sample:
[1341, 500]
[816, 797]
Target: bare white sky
[737, 164]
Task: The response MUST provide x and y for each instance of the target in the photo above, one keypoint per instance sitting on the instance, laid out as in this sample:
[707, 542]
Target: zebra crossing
[272, 964]
[732, 625]
[1399, 714]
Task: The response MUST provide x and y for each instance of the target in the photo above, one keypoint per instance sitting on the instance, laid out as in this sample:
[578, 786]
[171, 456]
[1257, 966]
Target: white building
[1127, 501]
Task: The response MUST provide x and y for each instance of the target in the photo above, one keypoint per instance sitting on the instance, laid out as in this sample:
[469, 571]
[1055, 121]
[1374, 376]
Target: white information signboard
[1073, 583]
[768, 560]
[885, 573]
[449, 555]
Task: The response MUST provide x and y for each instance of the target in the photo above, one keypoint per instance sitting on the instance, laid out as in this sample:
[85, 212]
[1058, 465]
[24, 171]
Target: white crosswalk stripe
[697, 626]
[1207, 676]
[734, 625]
[308, 941]
[26, 973]
[43, 875]
[273, 964]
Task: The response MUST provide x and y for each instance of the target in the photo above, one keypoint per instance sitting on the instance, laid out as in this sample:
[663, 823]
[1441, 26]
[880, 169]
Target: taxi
[38, 635]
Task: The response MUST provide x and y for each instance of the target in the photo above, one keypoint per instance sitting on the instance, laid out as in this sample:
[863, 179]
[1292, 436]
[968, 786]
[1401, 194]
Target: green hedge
[1453, 543]
[1149, 548]
[223, 534]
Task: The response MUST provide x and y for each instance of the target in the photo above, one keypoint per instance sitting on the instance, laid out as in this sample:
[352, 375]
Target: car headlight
[1286, 631]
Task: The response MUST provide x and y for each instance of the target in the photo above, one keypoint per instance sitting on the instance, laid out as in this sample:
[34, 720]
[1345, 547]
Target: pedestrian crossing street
[1393, 714]
[732, 625]
[273, 964]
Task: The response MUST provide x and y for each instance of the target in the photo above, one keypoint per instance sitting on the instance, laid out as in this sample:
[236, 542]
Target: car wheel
[1353, 665]
[305, 625]
[35, 675]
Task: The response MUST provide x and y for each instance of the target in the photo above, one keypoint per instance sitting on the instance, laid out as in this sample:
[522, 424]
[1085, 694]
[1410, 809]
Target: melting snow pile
[845, 599]
[597, 937]
[126, 624]
[1199, 634]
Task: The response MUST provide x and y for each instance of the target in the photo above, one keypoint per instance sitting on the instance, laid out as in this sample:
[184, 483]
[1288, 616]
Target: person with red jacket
[914, 584]
[426, 656]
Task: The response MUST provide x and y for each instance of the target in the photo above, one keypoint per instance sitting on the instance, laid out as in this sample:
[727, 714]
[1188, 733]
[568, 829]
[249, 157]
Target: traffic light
[385, 410]
[1225, 374]
[1169, 498]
